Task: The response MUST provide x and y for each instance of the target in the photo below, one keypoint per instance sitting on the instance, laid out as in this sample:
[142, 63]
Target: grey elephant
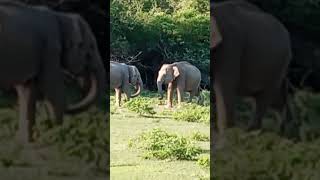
[251, 51]
[39, 49]
[121, 77]
[181, 76]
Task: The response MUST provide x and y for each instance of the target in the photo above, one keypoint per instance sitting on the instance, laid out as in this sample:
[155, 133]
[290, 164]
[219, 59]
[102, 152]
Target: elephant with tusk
[121, 76]
[39, 48]
[251, 51]
[181, 76]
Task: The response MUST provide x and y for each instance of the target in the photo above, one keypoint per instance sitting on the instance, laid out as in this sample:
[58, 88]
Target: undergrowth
[160, 144]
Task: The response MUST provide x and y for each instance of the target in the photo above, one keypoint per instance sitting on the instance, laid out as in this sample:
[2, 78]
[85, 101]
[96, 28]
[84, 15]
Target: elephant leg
[180, 95]
[56, 105]
[281, 105]
[169, 95]
[262, 103]
[118, 96]
[192, 94]
[285, 118]
[27, 106]
[198, 94]
[225, 100]
[127, 92]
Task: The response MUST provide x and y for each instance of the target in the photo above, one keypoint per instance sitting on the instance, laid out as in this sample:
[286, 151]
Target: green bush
[84, 136]
[193, 113]
[206, 98]
[204, 161]
[306, 112]
[267, 156]
[141, 105]
[160, 144]
[198, 136]
[176, 29]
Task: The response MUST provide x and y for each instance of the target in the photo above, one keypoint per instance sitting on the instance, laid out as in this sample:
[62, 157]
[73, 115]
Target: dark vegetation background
[148, 33]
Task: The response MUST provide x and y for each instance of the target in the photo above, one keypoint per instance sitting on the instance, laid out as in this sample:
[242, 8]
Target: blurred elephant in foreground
[251, 52]
[181, 76]
[121, 77]
[39, 48]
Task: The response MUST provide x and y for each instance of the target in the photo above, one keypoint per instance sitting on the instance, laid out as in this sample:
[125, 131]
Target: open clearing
[127, 163]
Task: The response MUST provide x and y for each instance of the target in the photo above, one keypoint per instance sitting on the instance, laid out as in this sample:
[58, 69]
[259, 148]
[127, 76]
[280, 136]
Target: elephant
[39, 49]
[182, 76]
[121, 76]
[251, 51]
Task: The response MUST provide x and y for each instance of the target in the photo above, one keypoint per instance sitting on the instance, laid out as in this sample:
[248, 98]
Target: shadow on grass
[154, 117]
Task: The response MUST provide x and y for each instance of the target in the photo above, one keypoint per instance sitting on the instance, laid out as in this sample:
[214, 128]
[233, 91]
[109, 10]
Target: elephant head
[166, 74]
[81, 59]
[135, 79]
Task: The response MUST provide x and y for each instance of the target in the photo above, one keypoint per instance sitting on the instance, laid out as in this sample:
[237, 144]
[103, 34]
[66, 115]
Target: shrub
[193, 113]
[160, 144]
[83, 136]
[176, 29]
[266, 156]
[306, 111]
[198, 136]
[204, 161]
[140, 105]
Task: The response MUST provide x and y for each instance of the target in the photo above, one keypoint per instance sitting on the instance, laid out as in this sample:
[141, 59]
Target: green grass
[130, 163]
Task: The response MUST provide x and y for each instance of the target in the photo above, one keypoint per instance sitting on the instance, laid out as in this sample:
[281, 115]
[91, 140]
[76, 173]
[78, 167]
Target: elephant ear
[71, 39]
[70, 29]
[215, 35]
[176, 72]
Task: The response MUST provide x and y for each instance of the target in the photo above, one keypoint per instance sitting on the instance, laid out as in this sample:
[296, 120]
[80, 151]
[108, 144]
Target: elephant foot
[168, 106]
[220, 143]
[23, 138]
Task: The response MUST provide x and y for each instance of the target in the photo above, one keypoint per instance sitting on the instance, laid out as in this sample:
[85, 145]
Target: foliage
[140, 105]
[206, 97]
[160, 144]
[176, 29]
[193, 113]
[204, 161]
[266, 156]
[83, 136]
[306, 109]
[198, 136]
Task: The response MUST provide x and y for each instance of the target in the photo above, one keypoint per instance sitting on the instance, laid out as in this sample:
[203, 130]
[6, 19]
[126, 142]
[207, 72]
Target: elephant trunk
[95, 92]
[139, 87]
[159, 85]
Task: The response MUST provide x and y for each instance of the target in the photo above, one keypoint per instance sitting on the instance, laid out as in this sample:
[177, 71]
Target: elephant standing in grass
[251, 52]
[121, 77]
[182, 76]
[39, 48]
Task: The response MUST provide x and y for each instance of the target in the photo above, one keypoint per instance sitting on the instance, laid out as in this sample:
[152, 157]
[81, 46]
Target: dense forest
[148, 33]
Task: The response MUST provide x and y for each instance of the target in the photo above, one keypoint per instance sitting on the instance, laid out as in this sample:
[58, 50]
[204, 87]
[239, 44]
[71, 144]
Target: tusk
[88, 99]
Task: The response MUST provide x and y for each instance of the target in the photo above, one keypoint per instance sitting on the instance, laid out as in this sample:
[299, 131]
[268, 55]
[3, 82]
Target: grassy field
[127, 123]
[76, 150]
